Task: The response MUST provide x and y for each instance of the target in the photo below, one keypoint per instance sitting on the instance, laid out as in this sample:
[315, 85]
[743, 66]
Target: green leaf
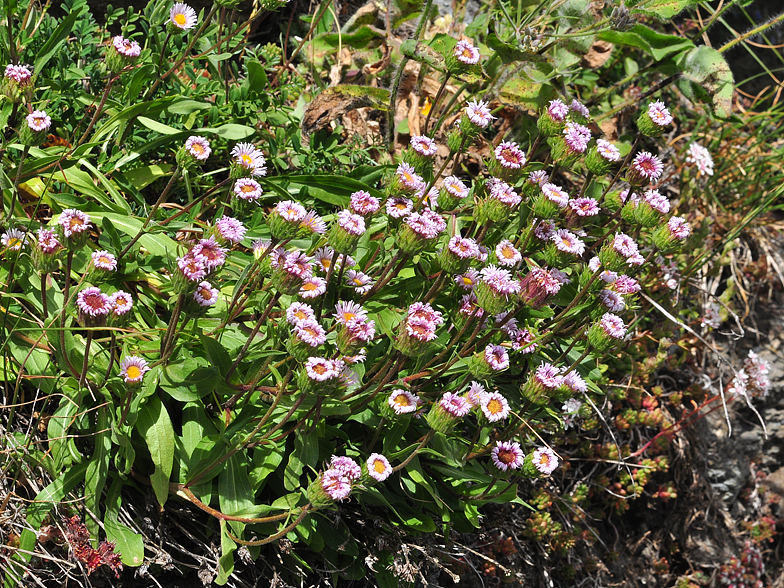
[231, 131]
[97, 470]
[141, 177]
[187, 380]
[154, 243]
[83, 183]
[234, 489]
[216, 354]
[257, 78]
[707, 75]
[434, 54]
[161, 128]
[226, 561]
[655, 44]
[155, 427]
[57, 38]
[204, 457]
[665, 9]
[130, 545]
[109, 186]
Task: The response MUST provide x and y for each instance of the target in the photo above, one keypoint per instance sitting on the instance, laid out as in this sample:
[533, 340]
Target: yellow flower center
[358, 282]
[300, 315]
[320, 369]
[401, 206]
[104, 259]
[246, 159]
[347, 316]
[544, 459]
[507, 253]
[401, 400]
[205, 293]
[133, 372]
[75, 223]
[196, 148]
[309, 286]
[379, 466]
[179, 19]
[468, 281]
[13, 243]
[247, 189]
[495, 406]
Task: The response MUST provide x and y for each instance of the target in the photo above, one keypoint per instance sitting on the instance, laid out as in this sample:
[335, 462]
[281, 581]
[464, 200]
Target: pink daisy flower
[494, 406]
[545, 460]
[104, 260]
[299, 311]
[133, 368]
[478, 112]
[247, 189]
[402, 401]
[455, 405]
[91, 301]
[398, 207]
[423, 145]
[121, 302]
[466, 53]
[73, 222]
[659, 113]
[198, 147]
[205, 294]
[509, 155]
[497, 357]
[363, 203]
[613, 325]
[507, 455]
[39, 121]
[362, 283]
[378, 467]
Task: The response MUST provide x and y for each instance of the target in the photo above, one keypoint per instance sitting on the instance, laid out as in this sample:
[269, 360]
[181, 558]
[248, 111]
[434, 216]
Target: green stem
[83, 375]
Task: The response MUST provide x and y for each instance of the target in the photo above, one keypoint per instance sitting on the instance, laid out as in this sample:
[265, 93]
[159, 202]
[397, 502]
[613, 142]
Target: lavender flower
[133, 368]
[507, 455]
[378, 467]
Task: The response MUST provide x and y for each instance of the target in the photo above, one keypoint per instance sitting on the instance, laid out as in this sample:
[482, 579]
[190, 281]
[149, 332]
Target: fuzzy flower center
[379, 467]
[506, 456]
[495, 406]
[133, 372]
[401, 400]
[180, 19]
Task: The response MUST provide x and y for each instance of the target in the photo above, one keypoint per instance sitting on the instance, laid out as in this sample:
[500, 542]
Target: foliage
[463, 331]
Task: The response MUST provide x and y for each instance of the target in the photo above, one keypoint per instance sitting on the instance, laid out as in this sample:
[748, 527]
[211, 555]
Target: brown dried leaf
[598, 54]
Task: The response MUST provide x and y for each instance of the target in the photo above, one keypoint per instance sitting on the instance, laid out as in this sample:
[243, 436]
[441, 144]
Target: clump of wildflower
[507, 455]
[564, 246]
[93, 307]
[195, 151]
[712, 316]
[701, 158]
[580, 209]
[13, 240]
[645, 168]
[17, 81]
[540, 462]
[576, 138]
[121, 53]
[403, 402]
[291, 271]
[182, 18]
[406, 180]
[335, 483]
[670, 236]
[570, 411]
[299, 311]
[652, 121]
[355, 334]
[606, 332]
[612, 300]
[418, 328]
[248, 161]
[312, 287]
[752, 380]
[443, 415]
[75, 225]
[542, 383]
[34, 128]
[133, 368]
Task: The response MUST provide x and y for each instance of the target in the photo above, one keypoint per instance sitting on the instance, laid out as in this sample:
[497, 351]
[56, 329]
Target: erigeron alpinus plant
[268, 363]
